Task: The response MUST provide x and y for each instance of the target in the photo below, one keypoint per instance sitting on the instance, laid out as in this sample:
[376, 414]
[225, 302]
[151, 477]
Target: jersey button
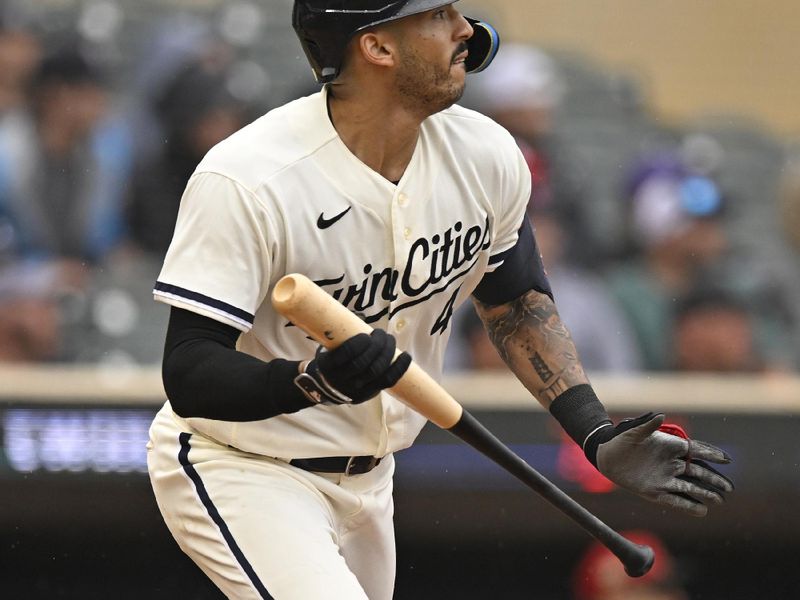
[402, 200]
[400, 324]
[407, 233]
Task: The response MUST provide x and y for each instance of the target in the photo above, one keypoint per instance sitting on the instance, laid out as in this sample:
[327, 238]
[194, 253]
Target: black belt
[349, 465]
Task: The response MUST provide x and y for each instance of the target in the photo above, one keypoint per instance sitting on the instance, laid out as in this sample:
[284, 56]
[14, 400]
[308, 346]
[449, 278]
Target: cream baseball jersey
[285, 195]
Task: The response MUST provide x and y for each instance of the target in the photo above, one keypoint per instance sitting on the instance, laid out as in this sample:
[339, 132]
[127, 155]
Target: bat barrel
[308, 306]
[313, 310]
[285, 290]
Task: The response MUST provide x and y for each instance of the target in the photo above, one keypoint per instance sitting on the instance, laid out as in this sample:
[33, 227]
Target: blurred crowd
[668, 247]
[92, 167]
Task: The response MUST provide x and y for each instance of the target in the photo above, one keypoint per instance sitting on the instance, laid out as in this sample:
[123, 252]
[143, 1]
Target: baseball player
[272, 461]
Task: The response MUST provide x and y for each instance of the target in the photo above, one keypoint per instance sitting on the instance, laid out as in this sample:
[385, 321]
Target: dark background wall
[465, 528]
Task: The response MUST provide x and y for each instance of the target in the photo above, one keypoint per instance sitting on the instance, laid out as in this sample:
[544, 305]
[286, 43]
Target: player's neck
[381, 134]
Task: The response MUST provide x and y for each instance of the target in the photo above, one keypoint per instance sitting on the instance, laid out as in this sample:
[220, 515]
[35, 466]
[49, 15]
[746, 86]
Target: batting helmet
[326, 26]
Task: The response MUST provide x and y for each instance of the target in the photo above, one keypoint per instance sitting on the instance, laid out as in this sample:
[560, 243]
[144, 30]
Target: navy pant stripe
[183, 457]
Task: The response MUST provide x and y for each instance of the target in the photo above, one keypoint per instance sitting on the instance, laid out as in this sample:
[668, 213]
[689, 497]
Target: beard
[427, 87]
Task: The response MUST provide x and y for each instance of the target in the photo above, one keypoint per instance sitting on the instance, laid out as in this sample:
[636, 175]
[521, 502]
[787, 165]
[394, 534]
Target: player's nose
[463, 30]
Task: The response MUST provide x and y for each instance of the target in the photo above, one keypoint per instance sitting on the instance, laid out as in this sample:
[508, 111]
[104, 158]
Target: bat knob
[640, 561]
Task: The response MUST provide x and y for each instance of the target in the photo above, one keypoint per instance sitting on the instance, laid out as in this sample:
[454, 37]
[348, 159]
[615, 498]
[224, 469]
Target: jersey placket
[405, 229]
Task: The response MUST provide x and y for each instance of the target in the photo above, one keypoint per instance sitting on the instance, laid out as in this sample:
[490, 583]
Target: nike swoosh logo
[324, 223]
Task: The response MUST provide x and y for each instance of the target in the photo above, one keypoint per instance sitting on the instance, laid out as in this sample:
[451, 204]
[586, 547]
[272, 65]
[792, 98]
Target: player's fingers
[708, 452]
[643, 426]
[669, 445]
[683, 503]
[385, 372]
[700, 492]
[386, 345]
[359, 364]
[398, 368]
[705, 473]
[708, 495]
[348, 350]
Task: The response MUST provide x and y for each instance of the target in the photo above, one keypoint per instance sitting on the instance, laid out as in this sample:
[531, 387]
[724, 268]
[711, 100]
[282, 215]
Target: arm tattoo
[535, 344]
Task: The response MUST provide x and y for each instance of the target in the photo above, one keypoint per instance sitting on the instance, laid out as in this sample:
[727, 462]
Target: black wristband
[316, 388]
[580, 412]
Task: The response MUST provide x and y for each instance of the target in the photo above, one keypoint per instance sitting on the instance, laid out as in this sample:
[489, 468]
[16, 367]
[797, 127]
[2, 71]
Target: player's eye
[439, 14]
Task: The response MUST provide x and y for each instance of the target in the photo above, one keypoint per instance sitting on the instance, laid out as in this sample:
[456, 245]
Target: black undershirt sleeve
[205, 376]
[521, 270]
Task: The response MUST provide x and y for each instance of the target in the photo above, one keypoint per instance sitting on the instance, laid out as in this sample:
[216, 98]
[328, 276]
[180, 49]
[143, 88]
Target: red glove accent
[673, 429]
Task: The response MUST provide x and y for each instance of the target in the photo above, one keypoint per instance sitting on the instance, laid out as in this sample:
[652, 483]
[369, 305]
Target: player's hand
[658, 466]
[355, 371]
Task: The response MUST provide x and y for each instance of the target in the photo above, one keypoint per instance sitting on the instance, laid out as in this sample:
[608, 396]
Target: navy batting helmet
[326, 26]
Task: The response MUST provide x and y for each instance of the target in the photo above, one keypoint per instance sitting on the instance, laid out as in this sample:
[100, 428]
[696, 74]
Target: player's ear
[378, 47]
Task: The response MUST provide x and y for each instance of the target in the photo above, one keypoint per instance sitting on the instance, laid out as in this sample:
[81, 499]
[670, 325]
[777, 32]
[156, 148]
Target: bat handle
[637, 559]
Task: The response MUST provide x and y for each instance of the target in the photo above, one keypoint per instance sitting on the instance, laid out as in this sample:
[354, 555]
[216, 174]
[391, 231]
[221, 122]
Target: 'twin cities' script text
[440, 258]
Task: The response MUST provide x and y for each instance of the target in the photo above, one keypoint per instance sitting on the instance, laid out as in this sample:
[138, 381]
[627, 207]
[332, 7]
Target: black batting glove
[355, 371]
[660, 467]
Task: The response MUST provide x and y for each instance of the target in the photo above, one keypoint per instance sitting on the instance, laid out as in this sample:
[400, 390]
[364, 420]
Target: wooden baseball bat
[327, 321]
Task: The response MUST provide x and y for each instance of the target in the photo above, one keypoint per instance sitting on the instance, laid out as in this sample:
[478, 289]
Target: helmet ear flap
[483, 46]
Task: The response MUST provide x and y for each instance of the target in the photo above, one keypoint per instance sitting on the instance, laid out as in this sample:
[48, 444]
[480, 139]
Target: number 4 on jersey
[443, 319]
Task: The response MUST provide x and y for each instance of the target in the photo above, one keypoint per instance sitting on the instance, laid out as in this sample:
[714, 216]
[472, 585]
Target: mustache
[462, 47]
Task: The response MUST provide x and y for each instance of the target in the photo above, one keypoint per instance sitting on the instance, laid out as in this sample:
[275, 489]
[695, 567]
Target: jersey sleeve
[511, 206]
[520, 270]
[218, 263]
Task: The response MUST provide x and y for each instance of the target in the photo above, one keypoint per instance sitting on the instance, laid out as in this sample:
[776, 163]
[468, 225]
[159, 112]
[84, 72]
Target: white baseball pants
[261, 528]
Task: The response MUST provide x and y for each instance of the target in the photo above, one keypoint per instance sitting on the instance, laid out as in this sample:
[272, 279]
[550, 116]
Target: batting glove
[662, 467]
[355, 371]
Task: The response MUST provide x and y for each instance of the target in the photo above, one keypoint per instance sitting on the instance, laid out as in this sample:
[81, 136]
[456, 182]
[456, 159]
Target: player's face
[431, 70]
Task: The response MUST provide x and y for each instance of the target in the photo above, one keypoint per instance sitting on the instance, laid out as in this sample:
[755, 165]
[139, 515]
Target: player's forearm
[535, 344]
[205, 376]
